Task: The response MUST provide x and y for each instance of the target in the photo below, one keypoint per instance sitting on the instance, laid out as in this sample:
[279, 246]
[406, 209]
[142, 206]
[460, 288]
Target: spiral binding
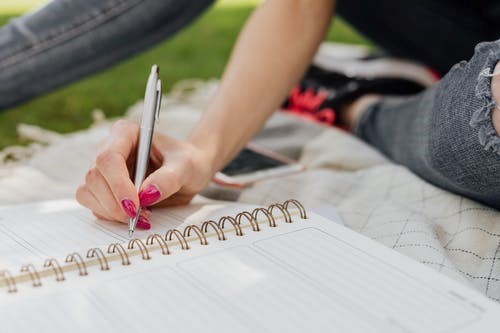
[142, 247]
[215, 226]
[236, 226]
[298, 205]
[54, 264]
[286, 214]
[269, 216]
[112, 248]
[33, 273]
[9, 280]
[200, 232]
[97, 252]
[80, 263]
[180, 237]
[250, 219]
[164, 247]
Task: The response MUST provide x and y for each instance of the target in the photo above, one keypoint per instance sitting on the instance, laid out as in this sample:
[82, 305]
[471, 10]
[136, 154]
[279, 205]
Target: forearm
[272, 52]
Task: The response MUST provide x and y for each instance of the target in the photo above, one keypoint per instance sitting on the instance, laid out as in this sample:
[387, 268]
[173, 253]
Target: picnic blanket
[382, 200]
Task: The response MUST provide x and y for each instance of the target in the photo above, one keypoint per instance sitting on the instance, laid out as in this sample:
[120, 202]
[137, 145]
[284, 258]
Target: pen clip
[158, 99]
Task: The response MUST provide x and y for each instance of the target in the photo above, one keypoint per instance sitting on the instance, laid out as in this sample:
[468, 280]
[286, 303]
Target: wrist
[206, 143]
[215, 134]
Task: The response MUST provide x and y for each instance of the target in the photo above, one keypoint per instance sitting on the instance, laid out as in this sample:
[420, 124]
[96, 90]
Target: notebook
[217, 266]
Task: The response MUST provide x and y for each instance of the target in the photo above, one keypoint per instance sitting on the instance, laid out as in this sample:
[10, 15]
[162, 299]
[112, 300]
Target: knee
[457, 161]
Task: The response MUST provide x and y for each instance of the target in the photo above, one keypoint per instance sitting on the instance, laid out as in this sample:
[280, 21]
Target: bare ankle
[350, 113]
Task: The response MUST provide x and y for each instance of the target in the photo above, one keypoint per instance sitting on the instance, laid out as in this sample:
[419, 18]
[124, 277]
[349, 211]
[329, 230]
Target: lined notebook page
[308, 275]
[31, 233]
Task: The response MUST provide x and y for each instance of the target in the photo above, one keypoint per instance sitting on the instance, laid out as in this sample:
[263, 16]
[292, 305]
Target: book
[217, 266]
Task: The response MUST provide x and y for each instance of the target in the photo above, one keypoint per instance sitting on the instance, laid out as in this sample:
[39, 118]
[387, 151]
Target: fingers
[149, 195]
[109, 192]
[123, 138]
[178, 199]
[160, 185]
[100, 189]
[113, 169]
[111, 163]
[86, 198]
[183, 173]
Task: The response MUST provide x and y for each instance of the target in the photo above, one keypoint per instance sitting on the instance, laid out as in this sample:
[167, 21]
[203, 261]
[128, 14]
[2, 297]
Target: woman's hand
[177, 171]
[273, 51]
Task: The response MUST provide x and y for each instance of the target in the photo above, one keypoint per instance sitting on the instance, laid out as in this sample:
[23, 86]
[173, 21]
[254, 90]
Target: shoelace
[307, 104]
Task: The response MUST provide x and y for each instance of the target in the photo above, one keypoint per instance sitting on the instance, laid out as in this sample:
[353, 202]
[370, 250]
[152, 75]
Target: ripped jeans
[69, 39]
[445, 134]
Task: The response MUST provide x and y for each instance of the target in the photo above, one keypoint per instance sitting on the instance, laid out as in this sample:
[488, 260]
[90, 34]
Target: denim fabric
[445, 134]
[68, 39]
[438, 33]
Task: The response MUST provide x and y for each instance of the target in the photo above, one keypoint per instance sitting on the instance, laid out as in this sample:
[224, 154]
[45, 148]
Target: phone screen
[249, 161]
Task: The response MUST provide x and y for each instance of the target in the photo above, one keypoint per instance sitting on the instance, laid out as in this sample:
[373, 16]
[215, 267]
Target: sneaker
[337, 78]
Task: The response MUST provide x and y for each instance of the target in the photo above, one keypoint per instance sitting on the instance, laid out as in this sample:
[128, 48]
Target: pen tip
[130, 233]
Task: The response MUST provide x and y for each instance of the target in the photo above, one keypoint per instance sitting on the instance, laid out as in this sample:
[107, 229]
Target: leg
[425, 30]
[69, 39]
[445, 134]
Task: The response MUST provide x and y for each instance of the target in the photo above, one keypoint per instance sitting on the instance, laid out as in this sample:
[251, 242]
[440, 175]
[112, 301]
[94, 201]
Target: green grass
[19, 6]
[200, 51]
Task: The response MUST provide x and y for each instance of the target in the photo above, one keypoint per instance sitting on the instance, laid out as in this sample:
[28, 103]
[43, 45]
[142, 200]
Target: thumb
[160, 185]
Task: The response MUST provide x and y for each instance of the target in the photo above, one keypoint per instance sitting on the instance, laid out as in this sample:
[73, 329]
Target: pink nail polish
[149, 195]
[129, 207]
[143, 224]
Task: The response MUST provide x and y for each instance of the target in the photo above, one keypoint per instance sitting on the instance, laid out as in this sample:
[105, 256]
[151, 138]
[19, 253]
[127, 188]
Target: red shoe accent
[307, 103]
[435, 74]
[326, 116]
[309, 100]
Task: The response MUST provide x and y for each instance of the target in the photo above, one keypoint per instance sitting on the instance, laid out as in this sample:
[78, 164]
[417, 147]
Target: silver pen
[152, 101]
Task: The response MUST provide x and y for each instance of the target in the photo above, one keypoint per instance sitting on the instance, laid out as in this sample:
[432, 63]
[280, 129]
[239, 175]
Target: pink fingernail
[149, 195]
[143, 223]
[129, 207]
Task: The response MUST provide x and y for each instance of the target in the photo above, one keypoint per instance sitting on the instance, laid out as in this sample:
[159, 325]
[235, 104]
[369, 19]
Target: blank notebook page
[30, 233]
[310, 275]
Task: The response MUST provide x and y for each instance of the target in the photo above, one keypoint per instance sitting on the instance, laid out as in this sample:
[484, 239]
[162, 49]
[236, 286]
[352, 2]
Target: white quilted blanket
[379, 199]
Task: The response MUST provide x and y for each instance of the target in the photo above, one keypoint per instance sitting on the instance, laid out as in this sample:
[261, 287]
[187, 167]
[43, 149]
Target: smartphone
[255, 163]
